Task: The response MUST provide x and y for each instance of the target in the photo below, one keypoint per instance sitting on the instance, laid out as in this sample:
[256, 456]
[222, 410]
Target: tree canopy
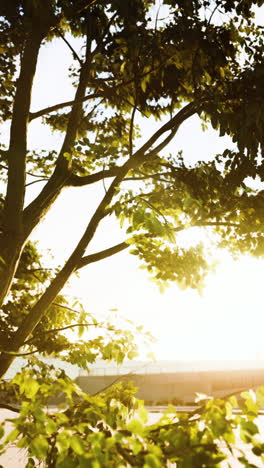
[131, 61]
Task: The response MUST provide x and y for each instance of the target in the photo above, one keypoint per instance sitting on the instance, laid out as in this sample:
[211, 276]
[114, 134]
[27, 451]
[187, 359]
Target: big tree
[199, 57]
[131, 60]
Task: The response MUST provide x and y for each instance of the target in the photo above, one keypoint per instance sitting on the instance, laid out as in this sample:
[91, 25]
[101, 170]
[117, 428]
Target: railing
[163, 367]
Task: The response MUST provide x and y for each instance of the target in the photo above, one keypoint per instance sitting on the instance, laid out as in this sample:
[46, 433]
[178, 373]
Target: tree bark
[11, 242]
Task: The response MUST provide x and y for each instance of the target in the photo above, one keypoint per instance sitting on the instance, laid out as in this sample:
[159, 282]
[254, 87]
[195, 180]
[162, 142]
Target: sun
[225, 323]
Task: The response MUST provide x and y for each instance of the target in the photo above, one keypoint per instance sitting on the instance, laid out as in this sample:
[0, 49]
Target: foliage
[131, 61]
[111, 429]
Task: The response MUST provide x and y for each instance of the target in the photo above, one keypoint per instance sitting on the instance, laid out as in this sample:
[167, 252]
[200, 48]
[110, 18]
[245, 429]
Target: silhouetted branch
[102, 254]
[75, 325]
[79, 181]
[70, 47]
[15, 409]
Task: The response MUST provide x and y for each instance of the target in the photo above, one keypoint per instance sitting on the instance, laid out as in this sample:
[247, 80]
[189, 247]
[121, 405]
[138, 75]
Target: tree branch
[76, 56]
[104, 92]
[121, 377]
[84, 5]
[4, 155]
[131, 130]
[80, 181]
[61, 105]
[216, 223]
[153, 207]
[15, 409]
[76, 112]
[55, 330]
[163, 144]
[173, 124]
[36, 181]
[2, 166]
[11, 353]
[102, 254]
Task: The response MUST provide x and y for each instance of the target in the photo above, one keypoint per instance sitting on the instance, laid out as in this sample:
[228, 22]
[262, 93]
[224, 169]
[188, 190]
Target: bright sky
[226, 323]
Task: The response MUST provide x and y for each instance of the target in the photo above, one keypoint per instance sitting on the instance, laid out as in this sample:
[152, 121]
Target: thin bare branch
[68, 327]
[212, 14]
[104, 92]
[61, 105]
[131, 130]
[32, 270]
[102, 254]
[12, 353]
[34, 175]
[36, 181]
[28, 173]
[106, 30]
[85, 5]
[121, 377]
[76, 56]
[154, 208]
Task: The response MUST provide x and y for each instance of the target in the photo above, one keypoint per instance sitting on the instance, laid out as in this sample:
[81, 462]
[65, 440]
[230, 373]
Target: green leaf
[51, 426]
[23, 442]
[13, 435]
[143, 85]
[77, 445]
[250, 427]
[31, 387]
[143, 414]
[122, 68]
[136, 427]
[229, 409]
[81, 330]
[151, 461]
[39, 414]
[233, 401]
[39, 446]
[68, 462]
[63, 441]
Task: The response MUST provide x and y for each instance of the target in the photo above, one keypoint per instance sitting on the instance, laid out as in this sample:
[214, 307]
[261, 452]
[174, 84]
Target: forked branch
[72, 264]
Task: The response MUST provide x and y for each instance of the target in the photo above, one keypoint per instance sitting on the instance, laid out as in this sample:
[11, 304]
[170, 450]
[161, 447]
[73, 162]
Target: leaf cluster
[112, 429]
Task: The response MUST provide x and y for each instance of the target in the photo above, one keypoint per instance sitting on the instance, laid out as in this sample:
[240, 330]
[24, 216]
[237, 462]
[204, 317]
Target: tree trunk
[12, 227]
